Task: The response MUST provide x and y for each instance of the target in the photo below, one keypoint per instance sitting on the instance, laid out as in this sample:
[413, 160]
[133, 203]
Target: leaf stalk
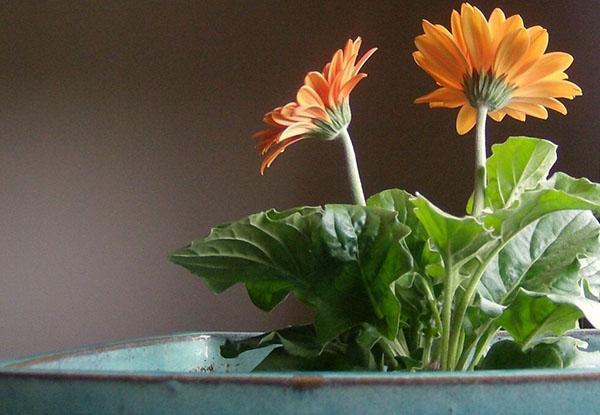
[449, 289]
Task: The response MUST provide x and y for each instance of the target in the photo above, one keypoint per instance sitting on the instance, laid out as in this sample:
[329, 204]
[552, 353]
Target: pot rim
[18, 368]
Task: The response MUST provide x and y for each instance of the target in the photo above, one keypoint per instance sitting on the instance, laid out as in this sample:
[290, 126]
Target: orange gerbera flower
[496, 63]
[321, 109]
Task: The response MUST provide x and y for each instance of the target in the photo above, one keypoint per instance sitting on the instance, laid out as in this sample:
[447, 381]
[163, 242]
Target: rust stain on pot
[306, 382]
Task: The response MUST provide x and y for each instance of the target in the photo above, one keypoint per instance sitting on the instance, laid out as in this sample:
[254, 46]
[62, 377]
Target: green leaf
[426, 260]
[590, 274]
[396, 200]
[506, 354]
[517, 165]
[457, 240]
[543, 257]
[356, 349]
[560, 193]
[367, 257]
[267, 294]
[400, 201]
[581, 188]
[341, 260]
[543, 243]
[531, 316]
[556, 352]
[415, 290]
[267, 246]
[298, 341]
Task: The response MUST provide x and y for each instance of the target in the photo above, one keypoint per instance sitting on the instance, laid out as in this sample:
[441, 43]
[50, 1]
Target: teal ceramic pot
[185, 374]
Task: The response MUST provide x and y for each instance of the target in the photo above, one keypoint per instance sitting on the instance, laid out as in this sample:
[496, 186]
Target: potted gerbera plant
[394, 281]
[396, 284]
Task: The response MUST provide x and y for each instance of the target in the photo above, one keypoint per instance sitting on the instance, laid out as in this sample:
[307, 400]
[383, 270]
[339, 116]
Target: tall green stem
[352, 168]
[480, 158]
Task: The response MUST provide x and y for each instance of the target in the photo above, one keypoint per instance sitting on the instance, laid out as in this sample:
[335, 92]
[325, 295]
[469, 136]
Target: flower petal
[517, 115]
[277, 150]
[440, 57]
[307, 97]
[497, 115]
[440, 39]
[315, 112]
[443, 97]
[510, 51]
[363, 60]
[457, 33]
[535, 110]
[466, 119]
[336, 65]
[477, 37]
[538, 42]
[300, 128]
[439, 74]
[356, 45]
[556, 89]
[350, 85]
[548, 102]
[547, 65]
[496, 23]
[349, 48]
[317, 82]
[511, 24]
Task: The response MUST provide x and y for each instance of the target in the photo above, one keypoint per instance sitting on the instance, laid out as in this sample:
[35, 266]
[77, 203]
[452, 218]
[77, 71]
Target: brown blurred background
[124, 133]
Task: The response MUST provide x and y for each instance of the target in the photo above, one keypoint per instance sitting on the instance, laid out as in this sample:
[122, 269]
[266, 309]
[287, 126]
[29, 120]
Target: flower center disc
[487, 90]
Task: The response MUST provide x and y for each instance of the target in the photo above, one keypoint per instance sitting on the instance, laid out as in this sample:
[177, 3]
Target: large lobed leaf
[426, 260]
[399, 201]
[457, 240]
[561, 192]
[515, 166]
[266, 251]
[362, 256]
[532, 316]
[341, 260]
[543, 257]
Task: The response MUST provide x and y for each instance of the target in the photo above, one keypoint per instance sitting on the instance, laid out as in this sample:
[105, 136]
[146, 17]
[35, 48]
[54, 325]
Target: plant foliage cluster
[400, 284]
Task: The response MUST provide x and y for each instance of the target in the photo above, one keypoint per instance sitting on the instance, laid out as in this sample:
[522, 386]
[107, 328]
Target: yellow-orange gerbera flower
[496, 63]
[321, 109]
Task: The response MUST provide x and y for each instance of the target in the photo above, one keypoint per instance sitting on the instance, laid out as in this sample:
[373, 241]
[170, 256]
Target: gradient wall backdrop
[124, 133]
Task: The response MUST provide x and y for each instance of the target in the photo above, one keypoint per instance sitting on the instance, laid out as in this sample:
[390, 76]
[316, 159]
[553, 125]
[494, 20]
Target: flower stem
[352, 168]
[480, 159]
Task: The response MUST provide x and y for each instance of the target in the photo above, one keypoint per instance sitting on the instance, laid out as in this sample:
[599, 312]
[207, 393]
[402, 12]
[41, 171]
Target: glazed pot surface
[184, 373]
